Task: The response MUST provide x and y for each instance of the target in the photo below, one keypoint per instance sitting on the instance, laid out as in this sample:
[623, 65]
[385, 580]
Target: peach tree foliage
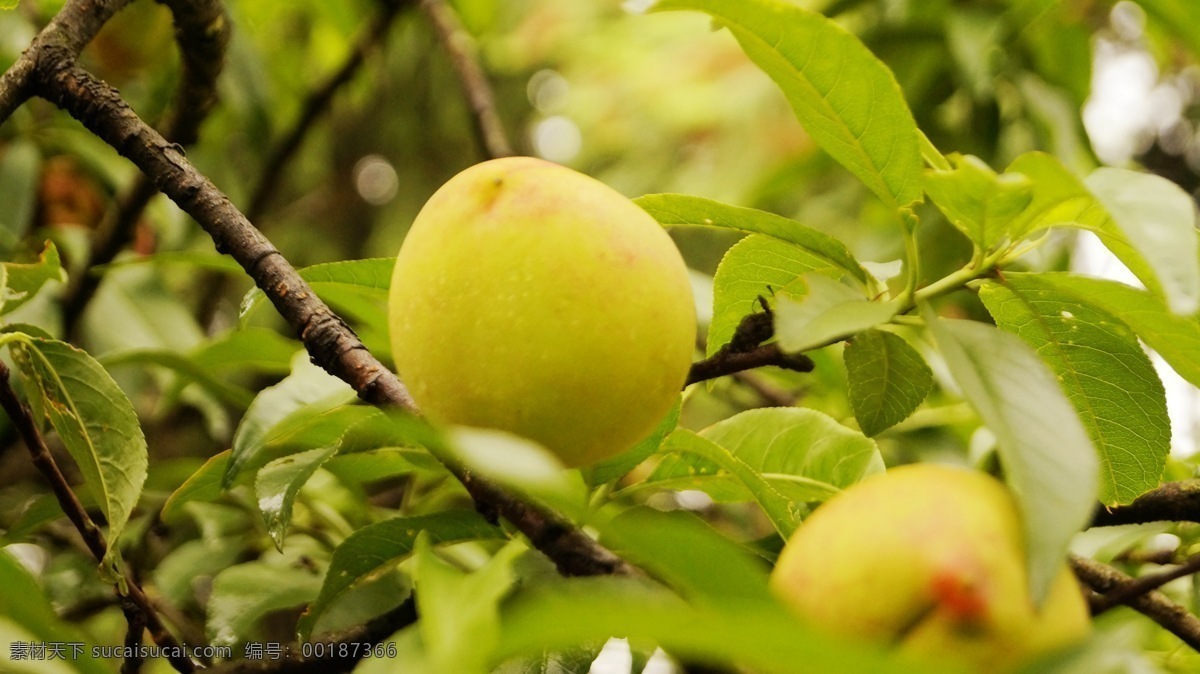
[1055, 371]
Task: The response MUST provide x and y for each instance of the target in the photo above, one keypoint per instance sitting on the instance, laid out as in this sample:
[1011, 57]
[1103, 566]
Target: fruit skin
[929, 559]
[533, 299]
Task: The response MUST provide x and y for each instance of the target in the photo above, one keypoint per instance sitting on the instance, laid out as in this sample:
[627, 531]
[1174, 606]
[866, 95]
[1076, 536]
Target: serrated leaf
[1049, 461]
[682, 209]
[94, 420]
[1106, 376]
[20, 282]
[1164, 259]
[976, 200]
[753, 267]
[804, 454]
[888, 380]
[278, 482]
[243, 594]
[756, 637]
[846, 98]
[1175, 338]
[612, 469]
[828, 311]
[376, 545]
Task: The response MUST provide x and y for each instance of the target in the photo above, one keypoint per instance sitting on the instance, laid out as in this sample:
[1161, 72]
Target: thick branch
[92, 536]
[1172, 502]
[330, 342]
[463, 53]
[1154, 605]
[1144, 585]
[69, 32]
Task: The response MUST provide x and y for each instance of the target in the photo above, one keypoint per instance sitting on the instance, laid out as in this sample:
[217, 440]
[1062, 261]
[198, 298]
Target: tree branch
[461, 48]
[202, 33]
[330, 342]
[1154, 605]
[1171, 502]
[316, 104]
[74, 510]
[1144, 584]
[746, 351]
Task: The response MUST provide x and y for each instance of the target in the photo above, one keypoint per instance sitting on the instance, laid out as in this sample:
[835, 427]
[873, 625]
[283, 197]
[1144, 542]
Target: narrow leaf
[887, 377]
[357, 287]
[846, 98]
[1048, 459]
[277, 484]
[612, 469]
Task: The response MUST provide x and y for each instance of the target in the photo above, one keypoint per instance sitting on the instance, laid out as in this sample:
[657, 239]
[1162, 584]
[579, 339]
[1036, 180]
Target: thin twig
[133, 638]
[463, 53]
[315, 105]
[773, 395]
[729, 362]
[23, 419]
[1144, 584]
[1154, 604]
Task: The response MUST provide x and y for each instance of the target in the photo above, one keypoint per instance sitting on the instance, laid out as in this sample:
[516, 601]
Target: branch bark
[464, 57]
[1144, 585]
[1171, 502]
[1154, 605]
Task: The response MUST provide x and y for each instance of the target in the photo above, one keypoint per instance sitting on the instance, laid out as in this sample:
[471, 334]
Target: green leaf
[829, 311]
[94, 420]
[1175, 338]
[199, 259]
[204, 485]
[887, 377]
[1105, 373]
[20, 282]
[375, 545]
[803, 454]
[517, 463]
[1159, 219]
[243, 594]
[755, 637]
[1149, 238]
[358, 288]
[846, 98]
[306, 409]
[1049, 461]
[976, 200]
[277, 483]
[24, 603]
[753, 267]
[611, 469]
[784, 516]
[682, 209]
[460, 621]
[690, 556]
[231, 394]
